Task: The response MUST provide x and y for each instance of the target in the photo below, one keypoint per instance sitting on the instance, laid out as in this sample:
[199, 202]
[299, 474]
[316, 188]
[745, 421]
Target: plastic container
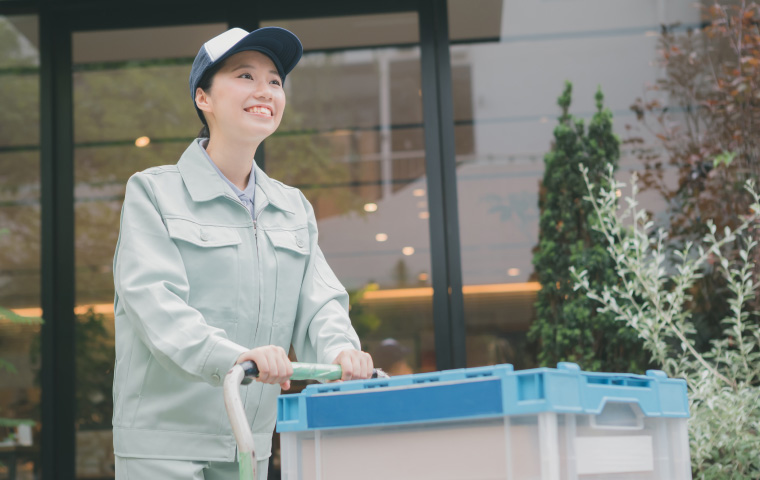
[489, 423]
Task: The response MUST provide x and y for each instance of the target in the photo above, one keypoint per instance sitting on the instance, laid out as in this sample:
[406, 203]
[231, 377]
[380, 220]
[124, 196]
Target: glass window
[19, 247]
[510, 60]
[352, 141]
[131, 112]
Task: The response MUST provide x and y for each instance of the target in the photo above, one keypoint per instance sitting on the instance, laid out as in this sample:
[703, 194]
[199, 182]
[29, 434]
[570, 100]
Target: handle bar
[306, 371]
[244, 373]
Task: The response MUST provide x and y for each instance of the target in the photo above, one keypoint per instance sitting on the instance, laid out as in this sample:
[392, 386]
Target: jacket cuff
[329, 356]
[220, 360]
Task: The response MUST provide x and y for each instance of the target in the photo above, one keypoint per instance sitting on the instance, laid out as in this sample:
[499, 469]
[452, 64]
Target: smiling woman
[217, 264]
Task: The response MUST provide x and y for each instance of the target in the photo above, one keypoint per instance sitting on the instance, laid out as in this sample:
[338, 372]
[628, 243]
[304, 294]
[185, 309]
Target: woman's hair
[205, 84]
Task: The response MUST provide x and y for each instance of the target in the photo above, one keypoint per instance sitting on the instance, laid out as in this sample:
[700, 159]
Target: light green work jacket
[198, 282]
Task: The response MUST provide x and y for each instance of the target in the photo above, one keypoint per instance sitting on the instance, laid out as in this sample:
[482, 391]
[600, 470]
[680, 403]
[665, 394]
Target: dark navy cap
[282, 46]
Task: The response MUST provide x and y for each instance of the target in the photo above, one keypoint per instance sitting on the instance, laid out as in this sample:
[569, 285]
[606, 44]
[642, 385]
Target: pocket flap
[294, 240]
[202, 235]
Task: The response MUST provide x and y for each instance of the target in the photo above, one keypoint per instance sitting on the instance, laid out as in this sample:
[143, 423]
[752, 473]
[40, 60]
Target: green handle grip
[306, 371]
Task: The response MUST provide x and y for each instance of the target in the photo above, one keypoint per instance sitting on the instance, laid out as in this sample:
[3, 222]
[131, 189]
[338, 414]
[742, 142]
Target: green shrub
[567, 326]
[652, 296]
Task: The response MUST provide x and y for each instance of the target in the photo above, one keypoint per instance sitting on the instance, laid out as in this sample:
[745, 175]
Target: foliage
[95, 358]
[364, 321]
[305, 159]
[568, 327]
[652, 297]
[11, 316]
[707, 135]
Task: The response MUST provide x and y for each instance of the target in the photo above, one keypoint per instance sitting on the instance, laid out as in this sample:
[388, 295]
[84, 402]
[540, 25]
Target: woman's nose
[263, 91]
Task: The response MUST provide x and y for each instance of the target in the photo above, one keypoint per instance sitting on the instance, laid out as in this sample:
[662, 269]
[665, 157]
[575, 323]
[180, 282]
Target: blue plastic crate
[484, 392]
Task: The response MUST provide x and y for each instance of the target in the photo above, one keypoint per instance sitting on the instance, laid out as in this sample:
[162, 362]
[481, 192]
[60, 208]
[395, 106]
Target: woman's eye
[246, 75]
[276, 82]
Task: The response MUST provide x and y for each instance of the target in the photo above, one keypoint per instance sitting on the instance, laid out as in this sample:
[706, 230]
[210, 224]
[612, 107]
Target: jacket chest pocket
[211, 259]
[291, 249]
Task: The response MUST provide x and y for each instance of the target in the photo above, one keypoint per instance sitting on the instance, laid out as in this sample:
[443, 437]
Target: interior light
[618, 193]
[513, 272]
[424, 215]
[418, 192]
[370, 207]
[422, 277]
[142, 142]
[381, 237]
[407, 251]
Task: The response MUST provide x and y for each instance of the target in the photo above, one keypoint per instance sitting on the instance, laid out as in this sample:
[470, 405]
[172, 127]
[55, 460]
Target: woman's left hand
[356, 365]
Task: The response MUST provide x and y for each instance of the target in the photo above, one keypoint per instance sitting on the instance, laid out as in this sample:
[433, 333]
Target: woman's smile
[260, 110]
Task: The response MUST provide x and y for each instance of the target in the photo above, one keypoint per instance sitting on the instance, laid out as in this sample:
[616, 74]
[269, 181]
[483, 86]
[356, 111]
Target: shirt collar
[203, 183]
[250, 189]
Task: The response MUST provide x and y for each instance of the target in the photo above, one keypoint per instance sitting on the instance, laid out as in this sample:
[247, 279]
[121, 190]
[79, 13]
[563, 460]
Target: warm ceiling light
[618, 193]
[513, 272]
[381, 237]
[422, 277]
[418, 192]
[407, 251]
[370, 207]
[142, 142]
[424, 215]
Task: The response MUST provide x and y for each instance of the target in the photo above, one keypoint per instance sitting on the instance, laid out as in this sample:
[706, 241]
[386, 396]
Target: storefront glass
[20, 310]
[352, 141]
[510, 60]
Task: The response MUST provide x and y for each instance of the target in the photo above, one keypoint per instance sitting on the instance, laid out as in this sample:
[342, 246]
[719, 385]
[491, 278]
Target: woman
[216, 264]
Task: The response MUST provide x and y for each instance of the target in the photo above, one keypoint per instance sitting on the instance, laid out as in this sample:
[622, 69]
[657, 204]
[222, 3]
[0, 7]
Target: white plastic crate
[489, 423]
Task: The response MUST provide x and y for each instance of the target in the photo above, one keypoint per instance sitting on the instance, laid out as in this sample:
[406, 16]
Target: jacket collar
[205, 184]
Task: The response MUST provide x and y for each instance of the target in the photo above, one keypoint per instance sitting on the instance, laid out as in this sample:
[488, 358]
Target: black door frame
[58, 20]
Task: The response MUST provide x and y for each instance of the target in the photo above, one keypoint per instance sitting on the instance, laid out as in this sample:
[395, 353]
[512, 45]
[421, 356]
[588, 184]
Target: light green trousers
[151, 468]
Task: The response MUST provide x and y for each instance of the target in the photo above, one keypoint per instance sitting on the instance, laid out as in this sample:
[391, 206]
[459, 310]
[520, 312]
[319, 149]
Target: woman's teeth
[259, 110]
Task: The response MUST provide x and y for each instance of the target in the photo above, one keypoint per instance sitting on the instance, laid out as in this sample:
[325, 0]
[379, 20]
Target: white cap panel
[217, 46]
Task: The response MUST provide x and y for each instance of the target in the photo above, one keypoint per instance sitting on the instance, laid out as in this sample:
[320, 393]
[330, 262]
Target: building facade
[417, 129]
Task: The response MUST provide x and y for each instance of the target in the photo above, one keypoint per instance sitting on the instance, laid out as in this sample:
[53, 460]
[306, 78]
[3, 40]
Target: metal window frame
[58, 20]
[440, 156]
[57, 230]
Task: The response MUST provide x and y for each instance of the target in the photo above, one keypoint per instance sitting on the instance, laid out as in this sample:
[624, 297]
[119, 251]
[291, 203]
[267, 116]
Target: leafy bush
[652, 297]
[567, 326]
[705, 112]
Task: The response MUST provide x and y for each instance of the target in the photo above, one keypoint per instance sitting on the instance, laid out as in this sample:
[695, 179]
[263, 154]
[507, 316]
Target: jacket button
[299, 242]
[216, 378]
[204, 235]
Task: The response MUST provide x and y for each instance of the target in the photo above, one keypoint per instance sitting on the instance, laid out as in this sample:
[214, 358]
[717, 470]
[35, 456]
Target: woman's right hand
[273, 363]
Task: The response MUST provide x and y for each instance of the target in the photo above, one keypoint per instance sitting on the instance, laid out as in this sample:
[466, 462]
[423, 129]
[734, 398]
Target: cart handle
[306, 371]
[244, 373]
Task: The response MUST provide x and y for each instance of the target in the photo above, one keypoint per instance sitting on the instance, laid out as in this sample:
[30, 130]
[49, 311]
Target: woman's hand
[356, 364]
[273, 363]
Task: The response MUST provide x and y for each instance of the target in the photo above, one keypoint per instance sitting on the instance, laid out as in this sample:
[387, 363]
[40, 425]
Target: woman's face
[246, 99]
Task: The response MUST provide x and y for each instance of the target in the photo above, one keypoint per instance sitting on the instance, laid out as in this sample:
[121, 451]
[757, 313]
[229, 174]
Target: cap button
[204, 234]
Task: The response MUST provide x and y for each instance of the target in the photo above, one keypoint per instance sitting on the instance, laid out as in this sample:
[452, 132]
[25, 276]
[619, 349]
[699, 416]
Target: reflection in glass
[352, 141]
[19, 247]
[509, 63]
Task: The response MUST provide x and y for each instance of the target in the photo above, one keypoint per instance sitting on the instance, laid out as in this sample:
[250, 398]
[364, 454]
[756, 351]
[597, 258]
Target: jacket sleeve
[152, 287]
[322, 327]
